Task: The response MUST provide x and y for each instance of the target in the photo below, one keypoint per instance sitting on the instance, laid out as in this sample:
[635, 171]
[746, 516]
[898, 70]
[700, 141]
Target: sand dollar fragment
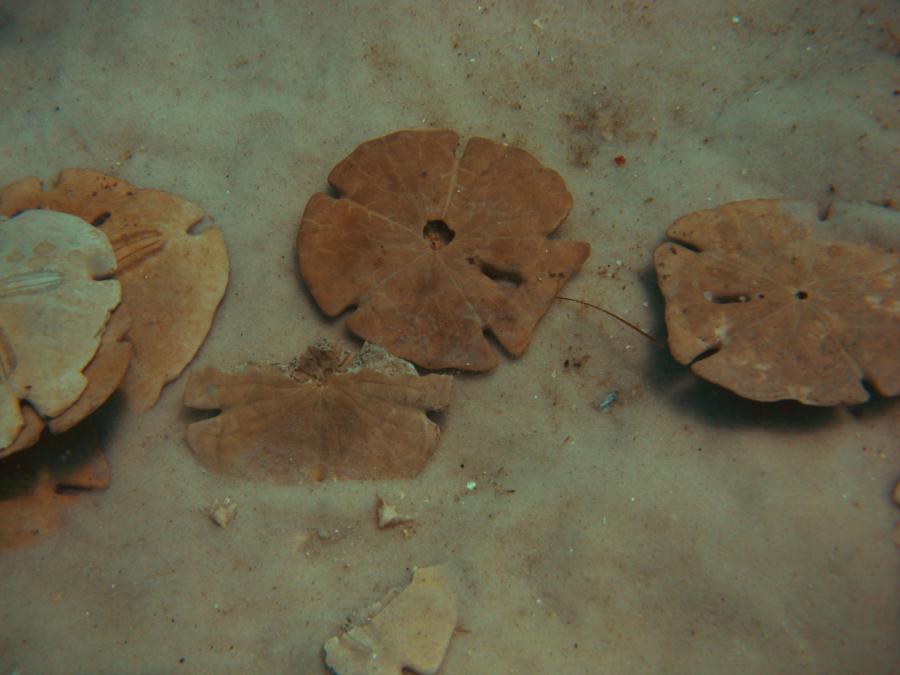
[409, 630]
[327, 416]
[435, 246]
[172, 281]
[758, 303]
[55, 301]
[38, 485]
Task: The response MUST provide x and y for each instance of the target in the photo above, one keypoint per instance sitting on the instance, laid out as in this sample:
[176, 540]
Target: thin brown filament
[632, 326]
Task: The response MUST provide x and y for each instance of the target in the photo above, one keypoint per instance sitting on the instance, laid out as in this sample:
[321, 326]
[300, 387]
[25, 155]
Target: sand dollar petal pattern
[172, 281]
[55, 301]
[327, 418]
[758, 303]
[434, 247]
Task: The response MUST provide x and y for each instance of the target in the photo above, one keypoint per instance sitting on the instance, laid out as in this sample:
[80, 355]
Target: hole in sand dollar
[507, 278]
[102, 218]
[438, 233]
[729, 299]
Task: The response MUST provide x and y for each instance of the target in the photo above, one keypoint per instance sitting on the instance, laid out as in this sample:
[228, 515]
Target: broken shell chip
[172, 281]
[760, 304]
[327, 417]
[54, 304]
[435, 244]
[30, 433]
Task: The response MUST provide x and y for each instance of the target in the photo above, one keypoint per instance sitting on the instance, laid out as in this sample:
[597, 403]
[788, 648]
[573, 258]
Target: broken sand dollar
[36, 486]
[756, 303]
[54, 304]
[435, 247]
[325, 418]
[172, 281]
[409, 630]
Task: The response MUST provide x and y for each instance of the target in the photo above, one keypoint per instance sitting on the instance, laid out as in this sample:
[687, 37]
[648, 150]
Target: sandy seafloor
[683, 530]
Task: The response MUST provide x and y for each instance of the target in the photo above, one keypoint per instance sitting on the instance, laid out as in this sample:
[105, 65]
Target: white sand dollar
[54, 304]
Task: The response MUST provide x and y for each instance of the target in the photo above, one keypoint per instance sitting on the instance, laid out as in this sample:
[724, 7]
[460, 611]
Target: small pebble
[222, 514]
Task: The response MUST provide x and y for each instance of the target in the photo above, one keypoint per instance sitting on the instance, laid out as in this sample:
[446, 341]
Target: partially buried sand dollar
[435, 245]
[325, 416]
[55, 300]
[37, 486]
[172, 281]
[758, 303]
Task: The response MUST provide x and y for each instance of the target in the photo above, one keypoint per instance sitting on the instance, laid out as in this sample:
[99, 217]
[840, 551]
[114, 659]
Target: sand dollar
[55, 300]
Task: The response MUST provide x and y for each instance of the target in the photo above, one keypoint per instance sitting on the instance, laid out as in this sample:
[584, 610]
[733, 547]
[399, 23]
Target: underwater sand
[681, 530]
